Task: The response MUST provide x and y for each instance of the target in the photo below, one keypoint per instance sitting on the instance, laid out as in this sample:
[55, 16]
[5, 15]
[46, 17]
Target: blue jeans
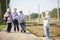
[46, 31]
[23, 26]
[16, 25]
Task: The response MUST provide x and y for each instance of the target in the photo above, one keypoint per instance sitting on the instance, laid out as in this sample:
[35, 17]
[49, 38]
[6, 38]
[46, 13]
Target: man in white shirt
[46, 24]
[22, 21]
[15, 19]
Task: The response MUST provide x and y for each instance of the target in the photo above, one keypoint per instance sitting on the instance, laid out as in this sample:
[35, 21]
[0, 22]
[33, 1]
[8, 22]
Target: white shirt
[22, 18]
[15, 15]
[47, 21]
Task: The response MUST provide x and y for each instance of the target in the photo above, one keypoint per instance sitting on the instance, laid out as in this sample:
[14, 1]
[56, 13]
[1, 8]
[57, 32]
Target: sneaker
[47, 37]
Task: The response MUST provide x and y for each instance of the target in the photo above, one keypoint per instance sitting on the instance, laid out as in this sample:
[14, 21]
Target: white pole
[38, 12]
[58, 9]
[29, 15]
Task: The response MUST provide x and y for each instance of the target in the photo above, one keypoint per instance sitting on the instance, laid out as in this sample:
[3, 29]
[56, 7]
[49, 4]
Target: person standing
[8, 19]
[47, 24]
[15, 20]
[22, 22]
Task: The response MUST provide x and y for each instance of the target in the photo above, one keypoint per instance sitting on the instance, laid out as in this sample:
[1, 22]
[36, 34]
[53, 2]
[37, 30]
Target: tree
[3, 7]
[34, 15]
[54, 13]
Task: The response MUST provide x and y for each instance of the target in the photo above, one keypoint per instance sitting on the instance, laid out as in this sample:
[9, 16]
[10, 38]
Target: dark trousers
[16, 25]
[9, 27]
[23, 26]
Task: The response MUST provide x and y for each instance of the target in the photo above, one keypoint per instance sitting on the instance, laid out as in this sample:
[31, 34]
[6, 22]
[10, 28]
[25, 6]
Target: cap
[47, 13]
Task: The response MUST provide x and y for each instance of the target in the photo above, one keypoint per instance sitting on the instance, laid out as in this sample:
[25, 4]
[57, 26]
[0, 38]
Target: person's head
[47, 13]
[15, 9]
[8, 10]
[20, 12]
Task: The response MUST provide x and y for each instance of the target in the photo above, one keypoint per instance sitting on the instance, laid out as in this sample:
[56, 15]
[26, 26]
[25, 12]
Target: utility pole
[58, 10]
[38, 12]
[29, 15]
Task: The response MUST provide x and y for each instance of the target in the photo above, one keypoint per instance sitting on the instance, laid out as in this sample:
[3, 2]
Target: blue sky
[32, 5]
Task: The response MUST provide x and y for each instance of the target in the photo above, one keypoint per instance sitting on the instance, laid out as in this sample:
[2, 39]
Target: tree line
[53, 14]
[3, 9]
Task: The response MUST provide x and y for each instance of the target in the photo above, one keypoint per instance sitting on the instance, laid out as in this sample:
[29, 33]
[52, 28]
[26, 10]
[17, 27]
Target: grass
[38, 31]
[2, 26]
[36, 20]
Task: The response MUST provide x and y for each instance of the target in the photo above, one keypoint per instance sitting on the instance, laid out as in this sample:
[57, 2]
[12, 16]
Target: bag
[5, 19]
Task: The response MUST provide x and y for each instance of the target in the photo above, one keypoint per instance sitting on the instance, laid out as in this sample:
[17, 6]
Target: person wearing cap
[8, 19]
[46, 24]
[22, 21]
[15, 20]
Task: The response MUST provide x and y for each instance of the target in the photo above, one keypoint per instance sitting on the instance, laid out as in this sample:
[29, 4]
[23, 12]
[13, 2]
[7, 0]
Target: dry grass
[38, 30]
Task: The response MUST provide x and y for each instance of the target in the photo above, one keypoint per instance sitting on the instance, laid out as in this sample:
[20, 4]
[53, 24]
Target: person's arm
[24, 17]
[45, 18]
[5, 17]
[18, 17]
[11, 17]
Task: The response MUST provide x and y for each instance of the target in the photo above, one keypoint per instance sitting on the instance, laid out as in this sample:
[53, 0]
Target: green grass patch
[2, 26]
[39, 31]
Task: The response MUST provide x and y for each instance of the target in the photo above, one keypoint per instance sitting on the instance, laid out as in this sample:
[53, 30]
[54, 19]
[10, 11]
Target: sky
[31, 6]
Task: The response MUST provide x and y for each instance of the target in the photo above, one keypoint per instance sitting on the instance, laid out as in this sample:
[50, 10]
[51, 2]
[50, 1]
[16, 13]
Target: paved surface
[17, 35]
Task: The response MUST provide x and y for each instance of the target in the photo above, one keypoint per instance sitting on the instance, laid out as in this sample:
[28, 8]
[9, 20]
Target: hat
[47, 13]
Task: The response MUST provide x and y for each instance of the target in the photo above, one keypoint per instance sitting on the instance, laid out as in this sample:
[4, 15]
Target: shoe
[48, 38]
[18, 31]
[8, 31]
[21, 30]
[24, 31]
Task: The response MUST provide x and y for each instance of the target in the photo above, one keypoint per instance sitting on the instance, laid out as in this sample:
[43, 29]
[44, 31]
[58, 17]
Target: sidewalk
[17, 35]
